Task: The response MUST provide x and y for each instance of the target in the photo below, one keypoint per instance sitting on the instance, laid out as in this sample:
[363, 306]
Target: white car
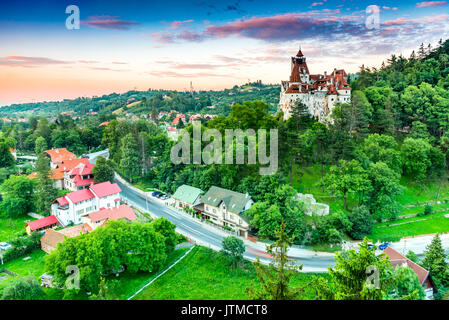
[5, 246]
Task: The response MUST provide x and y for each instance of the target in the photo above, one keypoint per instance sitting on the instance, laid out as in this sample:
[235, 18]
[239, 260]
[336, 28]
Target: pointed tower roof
[299, 54]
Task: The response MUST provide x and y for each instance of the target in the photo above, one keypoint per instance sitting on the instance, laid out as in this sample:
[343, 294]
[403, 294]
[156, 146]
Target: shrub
[22, 289]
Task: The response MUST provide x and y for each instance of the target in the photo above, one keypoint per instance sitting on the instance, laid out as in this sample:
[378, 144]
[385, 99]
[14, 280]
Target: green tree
[276, 278]
[234, 248]
[40, 145]
[347, 178]
[45, 191]
[130, 160]
[435, 261]
[408, 284]
[18, 196]
[385, 186]
[357, 275]
[102, 170]
[22, 288]
[362, 222]
[415, 158]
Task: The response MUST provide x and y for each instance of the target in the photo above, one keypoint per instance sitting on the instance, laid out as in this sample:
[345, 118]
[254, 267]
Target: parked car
[165, 196]
[156, 194]
[161, 196]
[384, 245]
[370, 246]
[5, 246]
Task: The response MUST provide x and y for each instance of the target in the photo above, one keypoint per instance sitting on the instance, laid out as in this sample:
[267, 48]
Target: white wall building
[318, 92]
[73, 206]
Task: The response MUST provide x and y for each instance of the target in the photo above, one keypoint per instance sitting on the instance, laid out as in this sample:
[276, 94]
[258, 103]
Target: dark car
[370, 246]
[161, 195]
[156, 194]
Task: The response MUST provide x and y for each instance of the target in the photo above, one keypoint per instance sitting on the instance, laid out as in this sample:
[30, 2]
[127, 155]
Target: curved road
[211, 237]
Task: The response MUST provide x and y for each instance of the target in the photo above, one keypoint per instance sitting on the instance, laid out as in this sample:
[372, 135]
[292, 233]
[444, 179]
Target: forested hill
[139, 102]
[407, 94]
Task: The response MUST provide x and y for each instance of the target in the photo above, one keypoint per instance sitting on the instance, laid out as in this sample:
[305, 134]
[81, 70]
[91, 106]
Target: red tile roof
[116, 213]
[80, 195]
[398, 259]
[62, 201]
[42, 223]
[82, 169]
[105, 189]
[60, 155]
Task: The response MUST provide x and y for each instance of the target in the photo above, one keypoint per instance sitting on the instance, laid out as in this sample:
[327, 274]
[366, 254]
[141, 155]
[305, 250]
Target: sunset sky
[125, 45]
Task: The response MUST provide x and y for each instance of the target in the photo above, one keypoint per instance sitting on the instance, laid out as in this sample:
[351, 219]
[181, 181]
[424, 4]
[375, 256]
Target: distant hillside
[139, 102]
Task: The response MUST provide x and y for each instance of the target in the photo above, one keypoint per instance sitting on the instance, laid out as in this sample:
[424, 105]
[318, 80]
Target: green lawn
[305, 180]
[11, 228]
[206, 275]
[435, 223]
[128, 283]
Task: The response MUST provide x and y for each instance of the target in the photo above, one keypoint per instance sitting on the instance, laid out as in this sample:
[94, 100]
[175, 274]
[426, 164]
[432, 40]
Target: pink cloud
[430, 4]
[21, 61]
[177, 24]
[108, 22]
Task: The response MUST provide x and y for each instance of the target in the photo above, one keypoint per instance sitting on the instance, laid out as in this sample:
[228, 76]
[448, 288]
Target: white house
[226, 208]
[73, 206]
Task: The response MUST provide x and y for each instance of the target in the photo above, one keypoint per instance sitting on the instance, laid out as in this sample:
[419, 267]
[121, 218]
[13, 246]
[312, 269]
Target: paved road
[93, 156]
[210, 237]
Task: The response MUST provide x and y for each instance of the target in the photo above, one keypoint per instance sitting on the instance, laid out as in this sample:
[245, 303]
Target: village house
[41, 224]
[73, 206]
[80, 177]
[51, 238]
[57, 174]
[226, 208]
[187, 196]
[397, 259]
[99, 218]
[58, 156]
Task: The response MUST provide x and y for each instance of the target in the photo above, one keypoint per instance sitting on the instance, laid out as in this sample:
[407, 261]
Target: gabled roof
[398, 259]
[105, 189]
[234, 201]
[187, 193]
[80, 195]
[42, 223]
[62, 201]
[82, 169]
[115, 213]
[59, 155]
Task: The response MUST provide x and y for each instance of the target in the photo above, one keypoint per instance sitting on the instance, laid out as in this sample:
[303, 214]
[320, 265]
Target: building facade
[226, 208]
[73, 206]
[319, 92]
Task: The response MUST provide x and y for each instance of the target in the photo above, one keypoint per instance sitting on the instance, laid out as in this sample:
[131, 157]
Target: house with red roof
[13, 152]
[41, 224]
[319, 92]
[397, 259]
[58, 156]
[99, 218]
[79, 177]
[73, 206]
[57, 174]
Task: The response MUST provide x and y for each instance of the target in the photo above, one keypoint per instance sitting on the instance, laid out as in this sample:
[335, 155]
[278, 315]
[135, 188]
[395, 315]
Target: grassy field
[414, 198]
[206, 275]
[11, 228]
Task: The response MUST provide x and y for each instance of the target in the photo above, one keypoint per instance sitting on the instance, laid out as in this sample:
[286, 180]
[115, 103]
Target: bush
[22, 245]
[362, 223]
[22, 289]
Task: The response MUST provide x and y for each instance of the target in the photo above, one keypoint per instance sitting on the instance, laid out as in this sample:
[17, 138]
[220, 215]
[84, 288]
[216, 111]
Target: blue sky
[123, 45]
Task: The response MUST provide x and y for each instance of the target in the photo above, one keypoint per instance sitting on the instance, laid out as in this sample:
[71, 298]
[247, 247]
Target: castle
[318, 92]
